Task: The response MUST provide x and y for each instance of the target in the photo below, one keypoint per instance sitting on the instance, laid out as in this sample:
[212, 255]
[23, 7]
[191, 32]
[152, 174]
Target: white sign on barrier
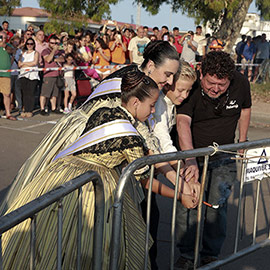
[259, 166]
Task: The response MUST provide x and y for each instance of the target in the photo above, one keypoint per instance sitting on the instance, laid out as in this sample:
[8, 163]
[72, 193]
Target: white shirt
[31, 75]
[165, 117]
[200, 40]
[137, 46]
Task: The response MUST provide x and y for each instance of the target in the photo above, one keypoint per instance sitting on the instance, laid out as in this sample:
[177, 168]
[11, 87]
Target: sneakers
[44, 113]
[183, 264]
[66, 111]
[56, 111]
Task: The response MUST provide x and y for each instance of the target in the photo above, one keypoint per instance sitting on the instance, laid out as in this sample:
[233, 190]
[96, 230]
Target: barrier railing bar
[1, 258]
[139, 163]
[30, 209]
[235, 256]
[243, 168]
[149, 195]
[99, 224]
[256, 212]
[200, 218]
[174, 214]
[59, 234]
[79, 228]
[33, 243]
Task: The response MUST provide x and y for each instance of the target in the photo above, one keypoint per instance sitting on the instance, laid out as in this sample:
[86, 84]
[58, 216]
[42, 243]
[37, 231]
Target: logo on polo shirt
[232, 105]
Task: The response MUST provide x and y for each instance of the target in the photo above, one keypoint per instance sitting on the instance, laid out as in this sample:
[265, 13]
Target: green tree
[225, 17]
[7, 6]
[69, 14]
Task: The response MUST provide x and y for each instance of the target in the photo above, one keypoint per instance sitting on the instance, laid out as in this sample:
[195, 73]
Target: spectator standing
[118, 49]
[70, 85]
[136, 47]
[164, 30]
[177, 37]
[239, 48]
[145, 31]
[84, 51]
[52, 58]
[15, 85]
[9, 35]
[248, 56]
[189, 48]
[5, 63]
[27, 34]
[210, 114]
[126, 39]
[263, 49]
[156, 33]
[41, 45]
[102, 57]
[28, 79]
[200, 39]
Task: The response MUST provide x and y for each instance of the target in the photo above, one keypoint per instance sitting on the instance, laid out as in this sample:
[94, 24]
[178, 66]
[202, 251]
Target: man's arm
[193, 48]
[185, 141]
[243, 124]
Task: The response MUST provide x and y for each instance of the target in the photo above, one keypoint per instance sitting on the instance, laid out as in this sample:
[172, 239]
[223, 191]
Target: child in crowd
[70, 85]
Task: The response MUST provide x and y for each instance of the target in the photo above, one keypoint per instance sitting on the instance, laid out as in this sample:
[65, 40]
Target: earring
[149, 73]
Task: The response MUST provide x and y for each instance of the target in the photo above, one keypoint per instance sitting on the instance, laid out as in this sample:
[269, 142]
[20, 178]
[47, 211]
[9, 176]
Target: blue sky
[124, 10]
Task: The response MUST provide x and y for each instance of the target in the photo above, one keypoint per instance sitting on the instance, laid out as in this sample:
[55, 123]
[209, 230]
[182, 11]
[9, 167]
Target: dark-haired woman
[118, 49]
[102, 57]
[106, 155]
[28, 79]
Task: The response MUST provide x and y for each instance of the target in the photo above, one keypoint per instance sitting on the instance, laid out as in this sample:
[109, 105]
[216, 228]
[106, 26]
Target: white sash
[114, 129]
[106, 87]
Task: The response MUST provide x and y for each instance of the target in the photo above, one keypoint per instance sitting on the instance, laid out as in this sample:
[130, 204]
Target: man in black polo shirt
[218, 102]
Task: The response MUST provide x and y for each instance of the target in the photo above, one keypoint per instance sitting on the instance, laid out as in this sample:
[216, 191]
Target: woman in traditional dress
[121, 145]
[161, 62]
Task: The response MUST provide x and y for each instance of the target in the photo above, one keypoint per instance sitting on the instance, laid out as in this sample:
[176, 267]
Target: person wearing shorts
[70, 85]
[52, 57]
[5, 83]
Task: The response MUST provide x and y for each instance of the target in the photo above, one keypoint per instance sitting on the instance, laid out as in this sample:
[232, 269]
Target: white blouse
[31, 75]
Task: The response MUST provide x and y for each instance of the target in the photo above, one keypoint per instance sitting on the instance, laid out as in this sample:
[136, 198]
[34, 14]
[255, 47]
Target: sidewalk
[260, 114]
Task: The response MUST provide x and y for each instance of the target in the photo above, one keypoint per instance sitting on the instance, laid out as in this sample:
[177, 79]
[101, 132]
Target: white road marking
[19, 129]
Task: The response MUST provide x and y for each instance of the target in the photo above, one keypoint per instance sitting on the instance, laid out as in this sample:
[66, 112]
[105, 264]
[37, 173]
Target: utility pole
[138, 19]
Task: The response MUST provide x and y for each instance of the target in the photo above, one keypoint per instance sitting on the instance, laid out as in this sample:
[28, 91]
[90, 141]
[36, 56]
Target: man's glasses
[57, 43]
[29, 43]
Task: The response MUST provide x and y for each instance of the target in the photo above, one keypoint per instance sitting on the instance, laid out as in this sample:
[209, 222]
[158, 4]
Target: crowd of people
[112, 45]
[190, 108]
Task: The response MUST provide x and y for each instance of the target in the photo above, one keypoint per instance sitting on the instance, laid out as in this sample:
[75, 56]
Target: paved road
[19, 139]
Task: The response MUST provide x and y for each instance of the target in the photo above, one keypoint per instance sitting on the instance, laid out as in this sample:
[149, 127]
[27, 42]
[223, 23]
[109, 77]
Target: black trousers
[28, 88]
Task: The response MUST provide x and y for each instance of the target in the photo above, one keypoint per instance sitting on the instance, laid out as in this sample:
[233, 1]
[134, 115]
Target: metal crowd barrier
[32, 208]
[151, 160]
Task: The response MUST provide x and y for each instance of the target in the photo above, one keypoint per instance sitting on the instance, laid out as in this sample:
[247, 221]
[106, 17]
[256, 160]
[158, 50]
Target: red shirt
[178, 46]
[9, 35]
